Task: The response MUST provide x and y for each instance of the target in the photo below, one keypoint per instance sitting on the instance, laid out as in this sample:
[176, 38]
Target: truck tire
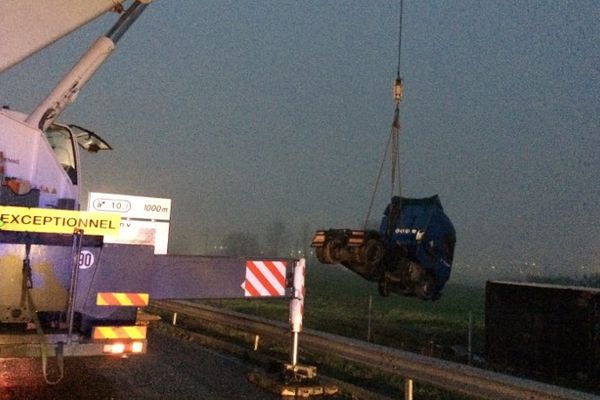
[319, 254]
[325, 253]
[371, 253]
[426, 289]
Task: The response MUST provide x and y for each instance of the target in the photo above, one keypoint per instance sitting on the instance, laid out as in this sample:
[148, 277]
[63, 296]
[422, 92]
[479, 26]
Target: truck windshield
[61, 141]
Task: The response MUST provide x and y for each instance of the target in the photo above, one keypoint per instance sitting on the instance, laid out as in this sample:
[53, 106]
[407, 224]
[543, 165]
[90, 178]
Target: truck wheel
[372, 253]
[325, 253]
[319, 254]
[425, 290]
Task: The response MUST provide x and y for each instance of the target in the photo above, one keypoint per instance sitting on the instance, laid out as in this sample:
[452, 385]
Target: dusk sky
[250, 112]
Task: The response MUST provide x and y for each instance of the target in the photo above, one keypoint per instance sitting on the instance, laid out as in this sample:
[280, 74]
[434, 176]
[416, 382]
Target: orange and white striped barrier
[119, 332]
[122, 299]
[264, 278]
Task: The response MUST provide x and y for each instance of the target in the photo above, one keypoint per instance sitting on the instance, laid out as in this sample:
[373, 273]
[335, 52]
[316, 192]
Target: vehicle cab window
[61, 141]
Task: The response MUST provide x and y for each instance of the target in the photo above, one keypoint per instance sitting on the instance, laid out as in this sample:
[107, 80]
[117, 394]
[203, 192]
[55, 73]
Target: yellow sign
[50, 220]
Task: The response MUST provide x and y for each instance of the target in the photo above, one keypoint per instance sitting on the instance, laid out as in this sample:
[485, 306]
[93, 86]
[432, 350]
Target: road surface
[172, 369]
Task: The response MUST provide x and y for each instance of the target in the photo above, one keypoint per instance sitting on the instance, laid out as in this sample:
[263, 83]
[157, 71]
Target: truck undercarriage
[411, 254]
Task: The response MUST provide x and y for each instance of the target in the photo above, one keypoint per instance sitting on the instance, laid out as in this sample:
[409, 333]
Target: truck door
[62, 142]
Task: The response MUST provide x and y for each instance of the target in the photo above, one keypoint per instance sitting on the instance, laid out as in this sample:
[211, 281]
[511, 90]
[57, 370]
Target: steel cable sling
[394, 137]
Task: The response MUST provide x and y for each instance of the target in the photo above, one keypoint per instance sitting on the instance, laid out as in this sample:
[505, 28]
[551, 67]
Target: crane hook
[398, 90]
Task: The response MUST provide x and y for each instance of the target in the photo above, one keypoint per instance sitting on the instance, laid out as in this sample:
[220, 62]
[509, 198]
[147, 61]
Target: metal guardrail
[453, 377]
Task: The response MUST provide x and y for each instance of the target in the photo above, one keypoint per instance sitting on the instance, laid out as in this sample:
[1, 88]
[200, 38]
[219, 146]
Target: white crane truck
[49, 306]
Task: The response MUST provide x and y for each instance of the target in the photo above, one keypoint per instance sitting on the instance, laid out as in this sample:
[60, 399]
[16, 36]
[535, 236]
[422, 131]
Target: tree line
[278, 241]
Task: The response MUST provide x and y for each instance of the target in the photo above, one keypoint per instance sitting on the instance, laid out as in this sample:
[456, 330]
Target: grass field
[337, 301]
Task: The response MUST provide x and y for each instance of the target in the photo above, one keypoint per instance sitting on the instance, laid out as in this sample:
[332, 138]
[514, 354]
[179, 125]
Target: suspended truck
[50, 305]
[411, 253]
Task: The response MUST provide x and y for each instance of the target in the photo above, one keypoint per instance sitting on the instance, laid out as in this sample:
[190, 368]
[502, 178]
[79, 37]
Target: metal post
[469, 338]
[408, 389]
[369, 318]
[75, 256]
[297, 307]
[27, 282]
[294, 349]
[174, 318]
[256, 341]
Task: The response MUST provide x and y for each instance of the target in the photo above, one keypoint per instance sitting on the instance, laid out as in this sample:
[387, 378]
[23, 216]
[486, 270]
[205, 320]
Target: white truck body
[28, 156]
[86, 308]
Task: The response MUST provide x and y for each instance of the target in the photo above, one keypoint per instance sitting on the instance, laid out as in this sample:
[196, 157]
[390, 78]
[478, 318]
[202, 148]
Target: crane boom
[68, 88]
[45, 22]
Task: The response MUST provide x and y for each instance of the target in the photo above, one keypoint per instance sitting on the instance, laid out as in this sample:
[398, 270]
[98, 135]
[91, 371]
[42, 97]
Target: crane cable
[393, 140]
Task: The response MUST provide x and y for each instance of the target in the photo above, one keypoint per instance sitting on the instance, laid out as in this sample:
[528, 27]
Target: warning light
[137, 347]
[118, 348]
[123, 348]
[114, 348]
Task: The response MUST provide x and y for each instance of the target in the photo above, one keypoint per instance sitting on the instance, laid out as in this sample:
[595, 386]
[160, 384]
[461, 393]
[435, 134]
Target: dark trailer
[545, 331]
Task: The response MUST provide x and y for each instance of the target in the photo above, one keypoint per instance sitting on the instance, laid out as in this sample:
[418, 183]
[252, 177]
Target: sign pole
[297, 306]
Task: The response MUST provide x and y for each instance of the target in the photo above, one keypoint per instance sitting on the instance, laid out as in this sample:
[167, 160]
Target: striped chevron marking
[122, 299]
[264, 278]
[119, 332]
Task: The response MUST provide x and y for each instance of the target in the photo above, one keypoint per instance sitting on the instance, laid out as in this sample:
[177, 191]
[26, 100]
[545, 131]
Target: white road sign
[147, 208]
[144, 220]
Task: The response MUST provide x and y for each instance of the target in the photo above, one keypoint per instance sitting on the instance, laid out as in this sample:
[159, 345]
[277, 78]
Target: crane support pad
[274, 384]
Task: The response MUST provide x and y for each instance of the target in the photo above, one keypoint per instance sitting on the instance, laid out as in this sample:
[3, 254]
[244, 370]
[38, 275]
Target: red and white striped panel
[297, 302]
[264, 278]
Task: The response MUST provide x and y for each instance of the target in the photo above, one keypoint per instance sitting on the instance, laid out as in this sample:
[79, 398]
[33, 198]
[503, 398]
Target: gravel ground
[172, 369]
